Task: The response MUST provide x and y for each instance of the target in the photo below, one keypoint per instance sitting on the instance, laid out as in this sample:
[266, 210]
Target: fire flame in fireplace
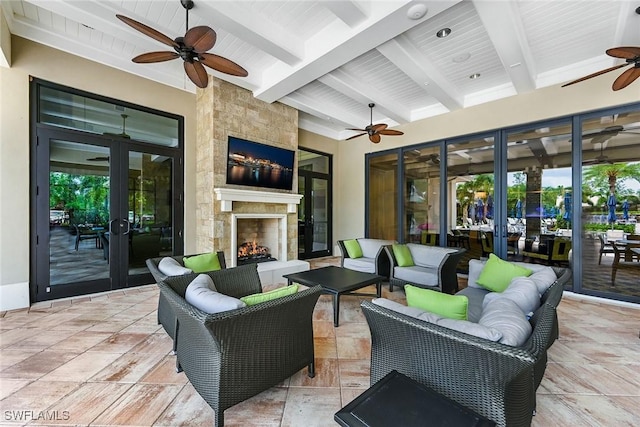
[252, 250]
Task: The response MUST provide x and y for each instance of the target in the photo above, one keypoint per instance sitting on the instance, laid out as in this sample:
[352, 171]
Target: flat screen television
[259, 165]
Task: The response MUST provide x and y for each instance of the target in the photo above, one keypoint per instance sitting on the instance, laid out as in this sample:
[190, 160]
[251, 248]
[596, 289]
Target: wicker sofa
[435, 268]
[166, 317]
[373, 259]
[231, 356]
[496, 380]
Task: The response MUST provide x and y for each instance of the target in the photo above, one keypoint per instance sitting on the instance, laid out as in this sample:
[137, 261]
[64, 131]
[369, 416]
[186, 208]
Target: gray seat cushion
[366, 265]
[417, 275]
[476, 297]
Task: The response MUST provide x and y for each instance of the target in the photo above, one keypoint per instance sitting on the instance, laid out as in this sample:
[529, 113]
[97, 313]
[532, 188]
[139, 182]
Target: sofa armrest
[383, 265]
[493, 379]
[448, 272]
[231, 356]
[343, 252]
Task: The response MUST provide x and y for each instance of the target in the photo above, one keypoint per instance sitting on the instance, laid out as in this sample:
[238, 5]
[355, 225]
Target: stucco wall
[32, 59]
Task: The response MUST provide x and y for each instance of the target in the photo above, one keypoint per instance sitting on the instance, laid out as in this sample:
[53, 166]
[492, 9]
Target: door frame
[40, 181]
[309, 176]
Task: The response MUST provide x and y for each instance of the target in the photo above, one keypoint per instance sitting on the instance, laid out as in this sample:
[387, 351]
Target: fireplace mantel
[229, 195]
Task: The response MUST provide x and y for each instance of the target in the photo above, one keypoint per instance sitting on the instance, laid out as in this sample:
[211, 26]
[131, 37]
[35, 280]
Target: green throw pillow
[498, 273]
[445, 305]
[353, 248]
[403, 255]
[271, 295]
[202, 263]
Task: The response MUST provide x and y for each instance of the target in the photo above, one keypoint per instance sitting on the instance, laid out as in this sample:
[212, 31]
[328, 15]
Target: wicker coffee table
[337, 281]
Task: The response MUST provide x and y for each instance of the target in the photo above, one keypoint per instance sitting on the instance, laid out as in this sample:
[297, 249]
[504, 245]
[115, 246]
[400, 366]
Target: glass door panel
[611, 204]
[149, 214]
[422, 195]
[539, 194]
[471, 187]
[73, 213]
[302, 216]
[320, 215]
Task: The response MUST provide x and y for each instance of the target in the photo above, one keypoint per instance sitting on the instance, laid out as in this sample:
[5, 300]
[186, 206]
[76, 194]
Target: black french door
[102, 206]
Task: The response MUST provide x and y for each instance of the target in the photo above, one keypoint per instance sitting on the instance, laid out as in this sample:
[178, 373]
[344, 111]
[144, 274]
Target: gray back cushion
[428, 256]
[505, 316]
[370, 247]
[476, 297]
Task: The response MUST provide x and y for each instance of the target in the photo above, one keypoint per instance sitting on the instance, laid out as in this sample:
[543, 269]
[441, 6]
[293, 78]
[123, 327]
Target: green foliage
[85, 197]
[592, 226]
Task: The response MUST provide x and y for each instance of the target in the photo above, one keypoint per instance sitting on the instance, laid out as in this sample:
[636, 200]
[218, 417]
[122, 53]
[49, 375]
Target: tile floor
[102, 360]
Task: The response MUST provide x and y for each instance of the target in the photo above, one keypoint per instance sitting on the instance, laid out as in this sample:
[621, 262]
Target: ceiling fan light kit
[192, 48]
[374, 131]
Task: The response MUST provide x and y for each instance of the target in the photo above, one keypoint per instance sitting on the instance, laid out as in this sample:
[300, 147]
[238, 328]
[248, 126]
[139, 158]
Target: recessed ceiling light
[474, 76]
[461, 58]
[443, 32]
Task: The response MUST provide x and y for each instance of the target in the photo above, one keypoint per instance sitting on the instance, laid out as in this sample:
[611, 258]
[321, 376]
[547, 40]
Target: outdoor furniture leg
[336, 308]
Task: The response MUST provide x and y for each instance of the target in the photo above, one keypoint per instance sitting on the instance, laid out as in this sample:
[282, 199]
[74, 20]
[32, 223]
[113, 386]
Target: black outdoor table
[337, 281]
[397, 400]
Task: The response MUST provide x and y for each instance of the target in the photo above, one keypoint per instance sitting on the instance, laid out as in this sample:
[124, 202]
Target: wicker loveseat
[231, 356]
[434, 267]
[496, 380]
[165, 315]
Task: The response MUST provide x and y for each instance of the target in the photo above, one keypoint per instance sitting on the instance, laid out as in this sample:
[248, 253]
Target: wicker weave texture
[231, 356]
[166, 318]
[493, 379]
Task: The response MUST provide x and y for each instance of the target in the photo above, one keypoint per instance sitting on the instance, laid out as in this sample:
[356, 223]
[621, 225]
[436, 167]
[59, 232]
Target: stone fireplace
[224, 110]
[258, 237]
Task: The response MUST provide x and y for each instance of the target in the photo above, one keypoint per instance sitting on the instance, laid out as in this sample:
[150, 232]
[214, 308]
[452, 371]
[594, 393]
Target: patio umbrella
[472, 211]
[489, 207]
[567, 206]
[625, 210]
[611, 202]
[479, 210]
[519, 209]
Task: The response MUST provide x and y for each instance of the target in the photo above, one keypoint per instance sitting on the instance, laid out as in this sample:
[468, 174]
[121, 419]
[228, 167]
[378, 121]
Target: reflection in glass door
[149, 213]
[539, 194]
[314, 211]
[422, 195]
[79, 199]
[471, 189]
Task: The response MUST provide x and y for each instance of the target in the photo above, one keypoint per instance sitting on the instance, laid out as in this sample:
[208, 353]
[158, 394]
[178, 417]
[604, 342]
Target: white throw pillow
[543, 279]
[505, 316]
[475, 268]
[171, 267]
[201, 294]
[522, 291]
[458, 325]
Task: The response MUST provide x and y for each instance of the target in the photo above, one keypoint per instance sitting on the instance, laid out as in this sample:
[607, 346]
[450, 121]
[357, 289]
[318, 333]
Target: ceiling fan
[607, 133]
[631, 55]
[191, 48]
[600, 159]
[374, 131]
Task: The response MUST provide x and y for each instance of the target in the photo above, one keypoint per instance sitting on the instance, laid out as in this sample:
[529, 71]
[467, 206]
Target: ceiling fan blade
[626, 78]
[144, 29]
[378, 127]
[355, 136]
[625, 52]
[390, 132]
[595, 74]
[359, 130]
[375, 138]
[196, 72]
[201, 38]
[223, 65]
[150, 57]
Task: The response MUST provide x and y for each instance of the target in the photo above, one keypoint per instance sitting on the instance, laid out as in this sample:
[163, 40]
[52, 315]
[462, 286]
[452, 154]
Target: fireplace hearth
[251, 252]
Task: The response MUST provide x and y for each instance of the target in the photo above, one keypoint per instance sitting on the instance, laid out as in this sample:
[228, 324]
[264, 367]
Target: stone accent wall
[224, 109]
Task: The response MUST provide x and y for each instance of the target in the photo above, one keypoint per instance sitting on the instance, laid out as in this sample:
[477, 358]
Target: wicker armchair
[231, 356]
[165, 315]
[493, 379]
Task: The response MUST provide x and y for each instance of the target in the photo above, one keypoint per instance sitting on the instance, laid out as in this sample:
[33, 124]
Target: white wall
[32, 59]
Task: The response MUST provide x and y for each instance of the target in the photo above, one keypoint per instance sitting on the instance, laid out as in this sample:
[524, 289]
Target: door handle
[111, 230]
[125, 221]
